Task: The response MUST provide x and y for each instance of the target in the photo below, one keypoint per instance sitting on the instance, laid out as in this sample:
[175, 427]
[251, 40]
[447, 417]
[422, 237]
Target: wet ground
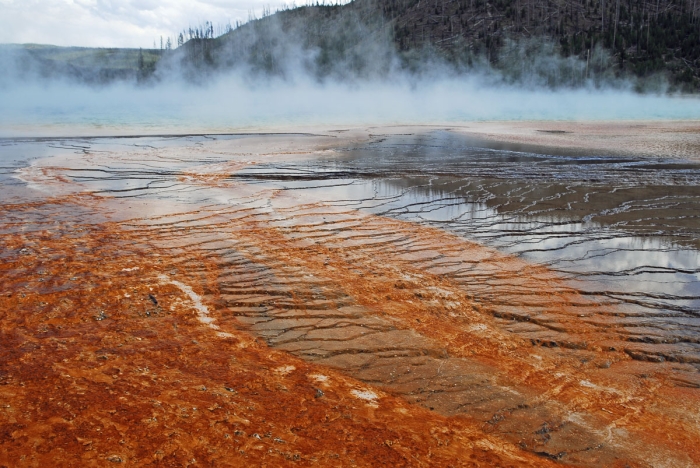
[625, 230]
[541, 305]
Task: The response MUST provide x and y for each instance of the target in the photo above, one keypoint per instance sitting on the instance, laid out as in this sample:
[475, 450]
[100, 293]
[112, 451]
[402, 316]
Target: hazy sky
[117, 23]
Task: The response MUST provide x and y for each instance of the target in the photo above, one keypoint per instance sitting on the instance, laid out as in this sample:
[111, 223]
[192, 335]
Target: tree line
[641, 38]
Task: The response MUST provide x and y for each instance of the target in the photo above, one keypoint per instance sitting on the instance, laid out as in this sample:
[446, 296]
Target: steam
[272, 74]
[231, 105]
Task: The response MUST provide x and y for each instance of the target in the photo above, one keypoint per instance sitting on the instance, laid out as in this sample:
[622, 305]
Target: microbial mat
[396, 298]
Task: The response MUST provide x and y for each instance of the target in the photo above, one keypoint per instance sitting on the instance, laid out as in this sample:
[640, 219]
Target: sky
[115, 23]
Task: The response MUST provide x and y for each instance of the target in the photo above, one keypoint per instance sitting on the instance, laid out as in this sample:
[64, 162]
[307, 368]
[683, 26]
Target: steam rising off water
[239, 104]
[621, 230]
[425, 263]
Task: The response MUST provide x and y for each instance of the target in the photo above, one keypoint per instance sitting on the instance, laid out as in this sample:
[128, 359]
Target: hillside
[85, 64]
[643, 36]
[550, 43]
[553, 42]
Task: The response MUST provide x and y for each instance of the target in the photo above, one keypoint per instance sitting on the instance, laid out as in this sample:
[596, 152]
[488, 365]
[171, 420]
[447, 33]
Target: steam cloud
[276, 73]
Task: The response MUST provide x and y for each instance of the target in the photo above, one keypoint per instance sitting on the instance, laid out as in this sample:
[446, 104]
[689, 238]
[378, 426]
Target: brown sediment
[379, 342]
[106, 361]
[651, 138]
[374, 311]
[661, 139]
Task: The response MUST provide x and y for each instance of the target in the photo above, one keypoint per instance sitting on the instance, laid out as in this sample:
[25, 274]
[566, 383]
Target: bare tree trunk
[648, 26]
[617, 16]
[529, 12]
[602, 16]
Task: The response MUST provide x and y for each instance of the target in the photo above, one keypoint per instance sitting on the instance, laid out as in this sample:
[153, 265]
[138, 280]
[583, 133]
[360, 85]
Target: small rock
[115, 459]
[319, 393]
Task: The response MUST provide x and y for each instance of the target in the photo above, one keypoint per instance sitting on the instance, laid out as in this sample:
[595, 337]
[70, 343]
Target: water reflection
[624, 228]
[289, 252]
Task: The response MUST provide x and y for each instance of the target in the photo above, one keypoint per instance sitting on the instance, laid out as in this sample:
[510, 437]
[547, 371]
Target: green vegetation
[91, 65]
[553, 42]
[545, 42]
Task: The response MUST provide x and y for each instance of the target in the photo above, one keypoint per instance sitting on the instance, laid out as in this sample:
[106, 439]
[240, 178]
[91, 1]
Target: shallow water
[331, 256]
[626, 230]
[229, 105]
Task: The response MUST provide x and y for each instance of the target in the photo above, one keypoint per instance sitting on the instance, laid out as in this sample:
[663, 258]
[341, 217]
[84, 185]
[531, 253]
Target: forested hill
[632, 38]
[95, 66]
[550, 43]
[643, 36]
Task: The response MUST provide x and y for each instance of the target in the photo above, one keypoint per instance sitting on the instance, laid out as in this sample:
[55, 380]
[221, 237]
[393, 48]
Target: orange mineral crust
[106, 357]
[167, 309]
[362, 294]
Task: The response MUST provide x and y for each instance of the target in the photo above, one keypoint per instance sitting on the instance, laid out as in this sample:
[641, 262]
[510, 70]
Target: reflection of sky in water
[539, 207]
[606, 260]
[14, 155]
[571, 213]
